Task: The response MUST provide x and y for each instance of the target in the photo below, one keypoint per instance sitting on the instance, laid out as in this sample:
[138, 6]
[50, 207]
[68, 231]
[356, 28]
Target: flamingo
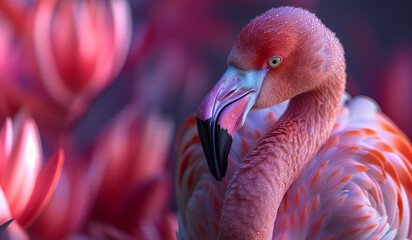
[309, 163]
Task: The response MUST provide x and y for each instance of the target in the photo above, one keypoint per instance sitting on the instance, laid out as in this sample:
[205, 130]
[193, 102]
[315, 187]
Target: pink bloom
[122, 192]
[63, 54]
[68, 208]
[25, 186]
[80, 46]
[135, 187]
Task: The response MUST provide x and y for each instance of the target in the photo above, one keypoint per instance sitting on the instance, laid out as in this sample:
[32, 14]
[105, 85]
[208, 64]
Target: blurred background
[101, 87]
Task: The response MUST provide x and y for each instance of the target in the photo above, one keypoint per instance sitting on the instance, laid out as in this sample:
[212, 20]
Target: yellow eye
[274, 62]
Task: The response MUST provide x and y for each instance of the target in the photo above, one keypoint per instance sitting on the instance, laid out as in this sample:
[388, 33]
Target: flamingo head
[278, 55]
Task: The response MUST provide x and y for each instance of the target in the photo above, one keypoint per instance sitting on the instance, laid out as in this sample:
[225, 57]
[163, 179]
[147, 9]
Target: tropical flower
[25, 186]
[80, 46]
[122, 191]
[67, 53]
[135, 187]
[69, 206]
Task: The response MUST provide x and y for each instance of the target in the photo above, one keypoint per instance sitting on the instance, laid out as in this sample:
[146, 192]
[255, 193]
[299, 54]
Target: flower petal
[23, 165]
[4, 207]
[44, 188]
[12, 230]
[6, 139]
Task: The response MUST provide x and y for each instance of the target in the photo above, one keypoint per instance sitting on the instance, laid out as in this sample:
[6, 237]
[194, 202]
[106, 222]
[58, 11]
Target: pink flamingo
[320, 166]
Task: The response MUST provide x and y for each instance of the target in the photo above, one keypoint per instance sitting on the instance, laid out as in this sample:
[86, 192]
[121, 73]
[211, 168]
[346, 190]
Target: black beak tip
[216, 144]
[5, 225]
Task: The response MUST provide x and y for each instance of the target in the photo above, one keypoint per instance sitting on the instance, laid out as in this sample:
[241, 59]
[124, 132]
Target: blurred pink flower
[80, 46]
[135, 187]
[69, 206]
[64, 53]
[122, 192]
[25, 187]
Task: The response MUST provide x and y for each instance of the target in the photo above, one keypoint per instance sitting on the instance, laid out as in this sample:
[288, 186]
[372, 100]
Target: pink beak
[223, 112]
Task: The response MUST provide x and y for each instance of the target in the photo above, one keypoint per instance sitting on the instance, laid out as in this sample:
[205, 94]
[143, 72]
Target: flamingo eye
[274, 62]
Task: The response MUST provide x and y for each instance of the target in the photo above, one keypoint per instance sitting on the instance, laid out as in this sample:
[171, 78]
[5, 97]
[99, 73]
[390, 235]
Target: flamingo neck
[266, 173]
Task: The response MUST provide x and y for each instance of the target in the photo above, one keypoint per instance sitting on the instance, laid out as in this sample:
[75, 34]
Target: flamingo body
[320, 166]
[358, 185]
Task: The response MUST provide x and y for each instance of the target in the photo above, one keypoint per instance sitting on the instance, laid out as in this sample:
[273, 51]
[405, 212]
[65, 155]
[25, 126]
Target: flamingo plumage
[312, 163]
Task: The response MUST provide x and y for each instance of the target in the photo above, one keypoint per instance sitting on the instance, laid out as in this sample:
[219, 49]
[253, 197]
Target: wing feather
[361, 178]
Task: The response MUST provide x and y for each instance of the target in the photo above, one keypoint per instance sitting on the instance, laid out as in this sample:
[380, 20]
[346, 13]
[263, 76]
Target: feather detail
[358, 186]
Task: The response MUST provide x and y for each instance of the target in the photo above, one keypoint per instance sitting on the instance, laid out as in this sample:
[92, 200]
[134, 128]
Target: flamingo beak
[223, 112]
